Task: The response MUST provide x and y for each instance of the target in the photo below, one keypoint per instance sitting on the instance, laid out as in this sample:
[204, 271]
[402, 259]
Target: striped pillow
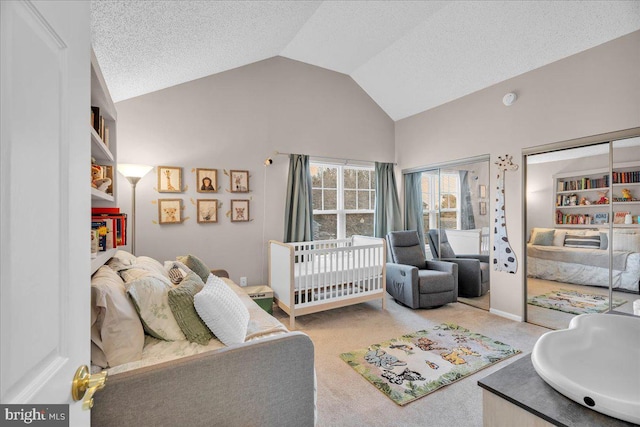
[588, 242]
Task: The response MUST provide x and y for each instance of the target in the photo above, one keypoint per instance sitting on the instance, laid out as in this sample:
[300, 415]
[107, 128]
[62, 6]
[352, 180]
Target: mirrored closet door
[582, 236]
[452, 203]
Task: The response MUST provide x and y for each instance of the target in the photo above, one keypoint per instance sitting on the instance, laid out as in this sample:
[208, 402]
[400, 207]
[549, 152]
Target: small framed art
[483, 208]
[483, 191]
[240, 210]
[207, 210]
[239, 181]
[169, 211]
[207, 180]
[169, 179]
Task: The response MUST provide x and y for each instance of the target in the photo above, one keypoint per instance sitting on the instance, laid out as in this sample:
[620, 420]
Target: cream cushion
[116, 332]
[222, 311]
[150, 295]
[624, 241]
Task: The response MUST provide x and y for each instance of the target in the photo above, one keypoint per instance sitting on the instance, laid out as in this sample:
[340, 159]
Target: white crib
[308, 277]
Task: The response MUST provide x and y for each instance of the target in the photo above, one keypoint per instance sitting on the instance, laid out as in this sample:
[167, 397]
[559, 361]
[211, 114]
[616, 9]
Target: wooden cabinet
[579, 197]
[103, 150]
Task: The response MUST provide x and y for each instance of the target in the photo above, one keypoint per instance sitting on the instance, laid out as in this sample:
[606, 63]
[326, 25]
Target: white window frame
[341, 212]
[436, 198]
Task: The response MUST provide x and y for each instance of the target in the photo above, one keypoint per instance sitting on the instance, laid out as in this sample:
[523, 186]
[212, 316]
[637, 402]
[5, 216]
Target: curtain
[386, 215]
[298, 226]
[413, 219]
[467, 220]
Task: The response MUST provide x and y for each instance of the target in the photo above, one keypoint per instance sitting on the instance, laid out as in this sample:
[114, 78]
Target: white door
[44, 201]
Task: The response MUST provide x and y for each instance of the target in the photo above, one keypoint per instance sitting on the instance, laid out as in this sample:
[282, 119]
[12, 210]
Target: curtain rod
[331, 159]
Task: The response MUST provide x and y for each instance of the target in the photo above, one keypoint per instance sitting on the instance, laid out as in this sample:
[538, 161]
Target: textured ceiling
[409, 56]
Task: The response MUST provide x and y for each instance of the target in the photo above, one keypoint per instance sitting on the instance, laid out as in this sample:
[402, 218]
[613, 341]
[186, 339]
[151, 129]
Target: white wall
[235, 120]
[591, 93]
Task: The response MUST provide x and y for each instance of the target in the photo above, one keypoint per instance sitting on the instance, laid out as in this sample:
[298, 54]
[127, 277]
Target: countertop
[521, 385]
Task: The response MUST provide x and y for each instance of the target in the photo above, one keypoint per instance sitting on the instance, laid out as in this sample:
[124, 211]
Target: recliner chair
[473, 270]
[412, 280]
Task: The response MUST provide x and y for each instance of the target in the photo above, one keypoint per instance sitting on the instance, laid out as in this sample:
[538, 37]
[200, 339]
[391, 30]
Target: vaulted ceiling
[409, 56]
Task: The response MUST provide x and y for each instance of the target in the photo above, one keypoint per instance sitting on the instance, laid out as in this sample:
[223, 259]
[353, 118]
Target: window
[440, 202]
[343, 200]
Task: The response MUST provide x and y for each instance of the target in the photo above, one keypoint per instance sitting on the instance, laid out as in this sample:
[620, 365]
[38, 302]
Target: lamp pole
[133, 180]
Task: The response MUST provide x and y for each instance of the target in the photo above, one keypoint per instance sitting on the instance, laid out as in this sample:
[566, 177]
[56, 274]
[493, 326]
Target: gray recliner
[473, 270]
[414, 281]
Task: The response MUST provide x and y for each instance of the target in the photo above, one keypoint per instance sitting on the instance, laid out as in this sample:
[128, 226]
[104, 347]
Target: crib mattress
[322, 271]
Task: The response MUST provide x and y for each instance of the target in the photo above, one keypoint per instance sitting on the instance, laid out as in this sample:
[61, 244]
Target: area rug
[412, 366]
[574, 302]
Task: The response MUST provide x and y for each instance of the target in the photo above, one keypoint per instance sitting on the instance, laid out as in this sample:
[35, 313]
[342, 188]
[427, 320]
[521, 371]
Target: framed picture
[169, 179]
[207, 180]
[240, 210]
[169, 211]
[483, 191]
[601, 218]
[239, 181]
[483, 208]
[207, 210]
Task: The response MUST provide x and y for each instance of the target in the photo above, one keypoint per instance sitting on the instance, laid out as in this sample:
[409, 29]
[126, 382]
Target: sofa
[258, 373]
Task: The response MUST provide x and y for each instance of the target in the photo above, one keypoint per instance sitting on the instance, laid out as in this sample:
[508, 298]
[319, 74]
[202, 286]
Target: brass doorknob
[85, 385]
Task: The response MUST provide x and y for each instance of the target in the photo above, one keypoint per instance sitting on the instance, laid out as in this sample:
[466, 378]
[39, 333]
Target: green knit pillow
[181, 305]
[196, 265]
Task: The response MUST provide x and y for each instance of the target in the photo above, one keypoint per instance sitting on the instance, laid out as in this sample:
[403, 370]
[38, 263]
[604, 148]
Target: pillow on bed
[176, 271]
[627, 242]
[222, 311]
[196, 265]
[558, 237]
[543, 238]
[535, 231]
[150, 296]
[116, 331]
[181, 304]
[586, 242]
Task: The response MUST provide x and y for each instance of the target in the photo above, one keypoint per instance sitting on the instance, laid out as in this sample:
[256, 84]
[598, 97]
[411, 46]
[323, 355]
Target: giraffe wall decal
[504, 259]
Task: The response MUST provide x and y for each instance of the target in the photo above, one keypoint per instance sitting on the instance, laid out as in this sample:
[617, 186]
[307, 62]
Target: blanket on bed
[593, 257]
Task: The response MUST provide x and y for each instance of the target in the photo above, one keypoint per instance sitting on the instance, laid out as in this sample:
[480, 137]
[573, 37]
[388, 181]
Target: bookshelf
[578, 202]
[103, 149]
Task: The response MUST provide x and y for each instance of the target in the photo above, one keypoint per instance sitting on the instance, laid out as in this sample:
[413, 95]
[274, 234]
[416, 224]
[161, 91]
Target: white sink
[596, 363]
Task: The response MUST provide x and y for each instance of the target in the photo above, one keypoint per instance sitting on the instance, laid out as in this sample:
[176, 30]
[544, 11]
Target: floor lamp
[133, 173]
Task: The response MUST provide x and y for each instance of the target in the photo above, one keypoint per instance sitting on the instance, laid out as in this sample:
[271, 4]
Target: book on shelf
[100, 227]
[120, 222]
[601, 218]
[99, 125]
[618, 217]
[584, 183]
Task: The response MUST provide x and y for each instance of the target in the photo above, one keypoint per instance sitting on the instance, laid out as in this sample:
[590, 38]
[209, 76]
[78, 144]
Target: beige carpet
[555, 319]
[346, 399]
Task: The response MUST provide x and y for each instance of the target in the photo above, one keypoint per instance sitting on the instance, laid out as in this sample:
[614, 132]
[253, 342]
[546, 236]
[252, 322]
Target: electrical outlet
[243, 281]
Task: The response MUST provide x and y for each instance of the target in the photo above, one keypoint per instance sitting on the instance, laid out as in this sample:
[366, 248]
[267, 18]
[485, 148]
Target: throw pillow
[196, 265]
[543, 238]
[150, 296]
[624, 241]
[558, 237]
[222, 311]
[537, 230]
[181, 304]
[586, 242]
[116, 330]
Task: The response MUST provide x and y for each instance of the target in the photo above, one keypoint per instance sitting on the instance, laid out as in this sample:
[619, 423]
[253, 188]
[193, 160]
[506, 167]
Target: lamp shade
[130, 170]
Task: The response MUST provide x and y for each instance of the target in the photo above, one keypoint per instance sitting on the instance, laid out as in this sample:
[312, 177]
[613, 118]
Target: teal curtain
[413, 219]
[467, 220]
[298, 218]
[386, 215]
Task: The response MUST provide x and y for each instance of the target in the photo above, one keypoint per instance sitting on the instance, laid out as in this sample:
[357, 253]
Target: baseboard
[506, 315]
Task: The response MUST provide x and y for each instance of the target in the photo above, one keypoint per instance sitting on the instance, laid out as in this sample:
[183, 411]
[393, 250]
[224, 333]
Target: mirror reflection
[582, 256]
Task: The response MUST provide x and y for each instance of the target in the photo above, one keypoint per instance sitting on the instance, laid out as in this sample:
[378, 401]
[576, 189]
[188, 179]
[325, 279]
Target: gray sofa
[268, 381]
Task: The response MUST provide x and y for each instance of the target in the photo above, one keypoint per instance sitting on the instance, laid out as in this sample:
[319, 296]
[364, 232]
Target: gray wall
[593, 92]
[234, 120]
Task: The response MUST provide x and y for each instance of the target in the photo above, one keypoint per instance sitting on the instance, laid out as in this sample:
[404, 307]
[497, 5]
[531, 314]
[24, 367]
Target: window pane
[350, 199]
[316, 176]
[448, 220]
[317, 199]
[350, 178]
[325, 226]
[330, 177]
[448, 201]
[363, 200]
[361, 224]
[330, 199]
[364, 179]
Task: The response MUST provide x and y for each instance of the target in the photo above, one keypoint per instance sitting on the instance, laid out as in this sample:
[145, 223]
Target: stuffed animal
[97, 181]
[602, 198]
[584, 201]
[626, 194]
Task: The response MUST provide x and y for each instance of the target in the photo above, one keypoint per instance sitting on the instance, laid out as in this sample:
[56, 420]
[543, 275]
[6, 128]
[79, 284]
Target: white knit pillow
[222, 311]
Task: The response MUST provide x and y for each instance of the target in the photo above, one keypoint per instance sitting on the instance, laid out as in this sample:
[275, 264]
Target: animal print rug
[412, 366]
[574, 302]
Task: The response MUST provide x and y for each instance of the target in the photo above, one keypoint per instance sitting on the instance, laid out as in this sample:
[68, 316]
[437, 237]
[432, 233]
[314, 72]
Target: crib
[308, 277]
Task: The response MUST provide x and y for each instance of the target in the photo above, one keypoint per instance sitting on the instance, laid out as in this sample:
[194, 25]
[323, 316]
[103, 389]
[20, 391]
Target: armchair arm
[447, 267]
[469, 275]
[481, 258]
[400, 280]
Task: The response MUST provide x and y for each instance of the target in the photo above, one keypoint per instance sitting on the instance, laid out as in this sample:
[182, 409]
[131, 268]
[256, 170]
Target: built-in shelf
[101, 259]
[101, 195]
[582, 191]
[99, 149]
[583, 206]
